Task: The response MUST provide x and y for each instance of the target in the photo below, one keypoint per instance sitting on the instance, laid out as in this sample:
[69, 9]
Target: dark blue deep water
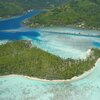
[15, 23]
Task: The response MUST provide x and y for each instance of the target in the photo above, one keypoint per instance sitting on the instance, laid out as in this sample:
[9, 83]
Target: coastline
[75, 78]
[3, 42]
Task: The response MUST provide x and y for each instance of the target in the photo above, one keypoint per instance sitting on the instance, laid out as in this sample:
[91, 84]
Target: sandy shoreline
[67, 80]
[45, 80]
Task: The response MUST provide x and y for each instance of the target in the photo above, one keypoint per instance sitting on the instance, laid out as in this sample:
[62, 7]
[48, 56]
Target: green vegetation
[80, 13]
[8, 9]
[19, 57]
[14, 7]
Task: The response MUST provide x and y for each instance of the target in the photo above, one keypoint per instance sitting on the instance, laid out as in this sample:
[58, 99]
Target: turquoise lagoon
[55, 41]
[20, 88]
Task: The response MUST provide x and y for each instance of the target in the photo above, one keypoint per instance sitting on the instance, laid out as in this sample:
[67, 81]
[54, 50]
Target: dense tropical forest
[20, 57]
[14, 7]
[79, 13]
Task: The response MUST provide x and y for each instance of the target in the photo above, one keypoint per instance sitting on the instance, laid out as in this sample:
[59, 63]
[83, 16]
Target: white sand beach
[45, 80]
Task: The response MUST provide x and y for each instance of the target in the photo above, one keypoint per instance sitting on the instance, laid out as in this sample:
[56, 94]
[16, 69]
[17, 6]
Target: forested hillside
[81, 13]
[14, 7]
[19, 57]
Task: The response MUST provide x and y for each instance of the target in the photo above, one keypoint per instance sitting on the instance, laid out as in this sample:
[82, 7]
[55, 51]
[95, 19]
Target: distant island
[77, 13]
[21, 58]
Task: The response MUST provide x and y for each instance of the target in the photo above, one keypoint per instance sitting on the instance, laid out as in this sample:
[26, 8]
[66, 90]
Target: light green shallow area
[20, 88]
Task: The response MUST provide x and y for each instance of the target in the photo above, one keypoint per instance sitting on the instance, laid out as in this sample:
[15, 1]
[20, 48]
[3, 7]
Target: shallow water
[20, 88]
[64, 45]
